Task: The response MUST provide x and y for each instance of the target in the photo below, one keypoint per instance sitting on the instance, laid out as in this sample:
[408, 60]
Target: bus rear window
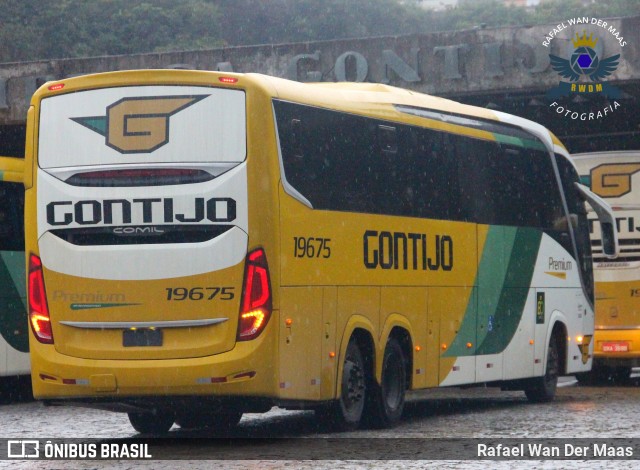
[143, 125]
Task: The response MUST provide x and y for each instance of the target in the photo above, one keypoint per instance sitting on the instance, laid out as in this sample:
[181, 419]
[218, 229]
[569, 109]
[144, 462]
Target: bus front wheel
[385, 403]
[155, 422]
[345, 413]
[543, 389]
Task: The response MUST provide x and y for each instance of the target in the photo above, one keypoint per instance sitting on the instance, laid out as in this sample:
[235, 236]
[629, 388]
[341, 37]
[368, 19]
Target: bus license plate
[615, 347]
[142, 337]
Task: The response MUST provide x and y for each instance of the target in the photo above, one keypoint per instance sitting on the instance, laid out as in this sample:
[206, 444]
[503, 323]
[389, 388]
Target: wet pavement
[577, 412]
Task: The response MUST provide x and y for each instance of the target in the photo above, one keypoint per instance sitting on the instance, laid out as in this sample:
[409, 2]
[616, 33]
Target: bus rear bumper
[617, 347]
[249, 369]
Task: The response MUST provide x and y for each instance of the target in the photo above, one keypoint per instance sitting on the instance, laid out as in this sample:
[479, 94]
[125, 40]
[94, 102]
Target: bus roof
[372, 99]
[392, 103]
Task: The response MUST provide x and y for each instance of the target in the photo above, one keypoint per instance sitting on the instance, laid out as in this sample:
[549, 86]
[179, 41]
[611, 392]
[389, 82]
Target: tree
[32, 29]
[77, 28]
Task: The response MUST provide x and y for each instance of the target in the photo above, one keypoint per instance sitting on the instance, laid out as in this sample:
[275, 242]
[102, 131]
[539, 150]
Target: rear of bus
[615, 176]
[145, 289]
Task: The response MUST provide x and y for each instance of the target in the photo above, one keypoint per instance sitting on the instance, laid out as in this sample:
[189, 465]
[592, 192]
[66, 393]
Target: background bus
[615, 176]
[202, 245]
[14, 337]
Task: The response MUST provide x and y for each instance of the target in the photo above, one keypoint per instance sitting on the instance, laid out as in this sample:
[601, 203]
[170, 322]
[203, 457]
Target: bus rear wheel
[222, 422]
[543, 389]
[155, 422]
[345, 413]
[386, 401]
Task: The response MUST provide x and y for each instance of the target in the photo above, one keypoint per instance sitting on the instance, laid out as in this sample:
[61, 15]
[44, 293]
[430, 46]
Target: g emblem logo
[138, 125]
[613, 179]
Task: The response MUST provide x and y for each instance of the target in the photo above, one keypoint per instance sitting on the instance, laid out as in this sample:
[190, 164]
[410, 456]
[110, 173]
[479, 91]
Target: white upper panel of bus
[615, 176]
[191, 124]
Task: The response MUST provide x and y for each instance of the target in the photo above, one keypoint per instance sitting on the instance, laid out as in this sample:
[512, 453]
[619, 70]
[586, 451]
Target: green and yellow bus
[14, 326]
[615, 176]
[204, 244]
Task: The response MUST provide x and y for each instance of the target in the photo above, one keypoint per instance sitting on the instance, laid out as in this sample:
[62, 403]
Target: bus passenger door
[519, 353]
[506, 301]
[496, 243]
[457, 309]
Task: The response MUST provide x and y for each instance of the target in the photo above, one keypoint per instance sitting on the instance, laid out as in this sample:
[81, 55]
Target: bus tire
[621, 374]
[155, 422]
[222, 422]
[543, 389]
[586, 378]
[345, 413]
[598, 375]
[385, 402]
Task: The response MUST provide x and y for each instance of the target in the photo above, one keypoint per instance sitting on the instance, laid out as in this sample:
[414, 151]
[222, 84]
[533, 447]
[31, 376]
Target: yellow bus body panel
[617, 322]
[190, 376]
[11, 169]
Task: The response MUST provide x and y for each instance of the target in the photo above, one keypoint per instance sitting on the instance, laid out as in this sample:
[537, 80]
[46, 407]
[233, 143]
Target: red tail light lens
[256, 296]
[140, 177]
[38, 308]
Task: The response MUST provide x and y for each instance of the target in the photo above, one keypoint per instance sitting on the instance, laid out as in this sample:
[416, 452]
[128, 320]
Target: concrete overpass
[508, 69]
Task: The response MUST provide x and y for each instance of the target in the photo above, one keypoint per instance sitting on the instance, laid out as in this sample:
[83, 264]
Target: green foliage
[33, 29]
[280, 21]
[490, 13]
[558, 10]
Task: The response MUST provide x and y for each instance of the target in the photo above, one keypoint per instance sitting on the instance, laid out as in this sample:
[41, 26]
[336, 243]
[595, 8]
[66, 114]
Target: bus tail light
[38, 308]
[140, 177]
[256, 296]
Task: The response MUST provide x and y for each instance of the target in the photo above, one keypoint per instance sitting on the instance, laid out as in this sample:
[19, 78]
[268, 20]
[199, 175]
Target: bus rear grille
[629, 251]
[140, 234]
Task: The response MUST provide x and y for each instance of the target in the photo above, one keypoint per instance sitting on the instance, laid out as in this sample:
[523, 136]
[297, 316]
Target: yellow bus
[615, 176]
[204, 244]
[14, 327]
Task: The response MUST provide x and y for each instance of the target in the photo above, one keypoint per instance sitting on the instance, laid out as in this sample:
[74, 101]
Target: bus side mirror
[607, 221]
[609, 242]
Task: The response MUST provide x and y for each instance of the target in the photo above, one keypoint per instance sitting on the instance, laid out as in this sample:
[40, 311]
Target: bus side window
[387, 139]
[296, 139]
[506, 185]
[436, 186]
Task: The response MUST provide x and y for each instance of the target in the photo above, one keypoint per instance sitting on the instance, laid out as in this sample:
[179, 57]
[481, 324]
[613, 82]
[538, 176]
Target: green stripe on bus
[492, 274]
[586, 180]
[510, 307]
[502, 286]
[489, 282]
[98, 305]
[13, 313]
[526, 143]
